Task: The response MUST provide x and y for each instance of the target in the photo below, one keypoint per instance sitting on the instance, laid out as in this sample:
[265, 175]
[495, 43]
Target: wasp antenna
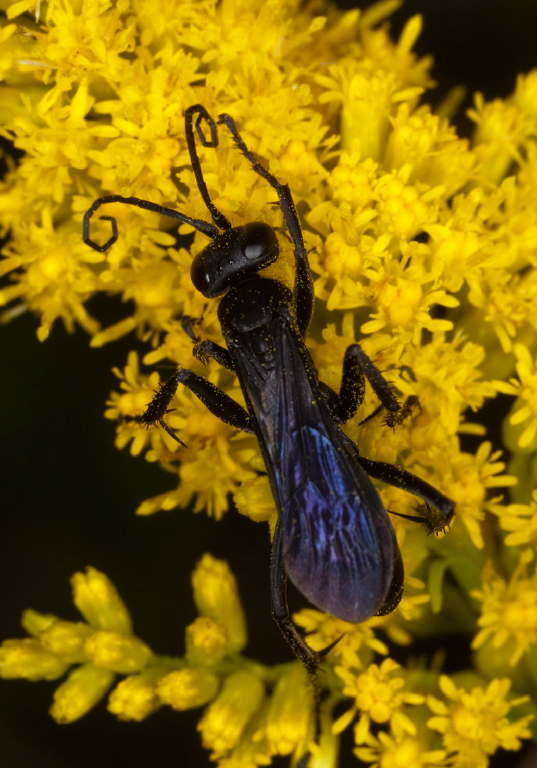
[197, 109]
[202, 226]
[304, 295]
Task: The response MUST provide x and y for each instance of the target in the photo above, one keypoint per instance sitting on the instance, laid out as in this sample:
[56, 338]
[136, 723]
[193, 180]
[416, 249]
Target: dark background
[68, 496]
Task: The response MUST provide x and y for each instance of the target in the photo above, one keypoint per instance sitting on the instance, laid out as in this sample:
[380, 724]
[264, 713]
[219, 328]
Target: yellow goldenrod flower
[385, 751]
[206, 641]
[83, 689]
[525, 390]
[98, 601]
[357, 642]
[410, 610]
[208, 439]
[120, 653]
[67, 639]
[101, 653]
[509, 611]
[216, 596]
[188, 688]
[378, 698]
[255, 500]
[472, 475]
[27, 658]
[501, 129]
[474, 723]
[403, 305]
[521, 519]
[35, 623]
[136, 697]
[247, 754]
[226, 718]
[290, 721]
[449, 379]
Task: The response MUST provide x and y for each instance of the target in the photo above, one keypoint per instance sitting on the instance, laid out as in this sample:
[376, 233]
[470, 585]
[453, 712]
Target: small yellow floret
[67, 639]
[188, 688]
[289, 721]
[135, 698]
[386, 751]
[28, 659]
[474, 723]
[99, 602]
[206, 641]
[509, 610]
[85, 687]
[124, 654]
[226, 718]
[216, 596]
[378, 696]
[255, 500]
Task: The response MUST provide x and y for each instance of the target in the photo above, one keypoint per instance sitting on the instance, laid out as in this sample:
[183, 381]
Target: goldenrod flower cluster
[423, 247]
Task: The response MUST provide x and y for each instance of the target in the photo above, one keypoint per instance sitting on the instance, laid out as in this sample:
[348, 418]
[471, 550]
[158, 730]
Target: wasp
[334, 539]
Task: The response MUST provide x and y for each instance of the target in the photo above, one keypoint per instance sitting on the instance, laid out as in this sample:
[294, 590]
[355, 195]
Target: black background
[68, 496]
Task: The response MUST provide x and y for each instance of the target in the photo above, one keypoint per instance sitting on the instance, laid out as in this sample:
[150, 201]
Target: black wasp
[333, 538]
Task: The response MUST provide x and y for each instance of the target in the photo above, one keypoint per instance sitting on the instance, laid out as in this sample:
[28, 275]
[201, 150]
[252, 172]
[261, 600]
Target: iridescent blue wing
[338, 542]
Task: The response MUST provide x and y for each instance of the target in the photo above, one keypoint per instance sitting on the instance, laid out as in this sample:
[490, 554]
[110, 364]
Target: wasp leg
[400, 478]
[206, 349]
[218, 403]
[356, 367]
[280, 609]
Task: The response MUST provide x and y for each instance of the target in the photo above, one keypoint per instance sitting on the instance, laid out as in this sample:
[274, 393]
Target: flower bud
[98, 601]
[255, 500]
[135, 698]
[83, 689]
[206, 642]
[66, 639]
[216, 596]
[28, 659]
[124, 654]
[290, 719]
[226, 718]
[188, 688]
[35, 623]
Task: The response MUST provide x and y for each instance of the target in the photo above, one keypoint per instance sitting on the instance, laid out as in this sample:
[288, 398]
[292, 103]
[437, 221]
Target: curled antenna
[200, 225]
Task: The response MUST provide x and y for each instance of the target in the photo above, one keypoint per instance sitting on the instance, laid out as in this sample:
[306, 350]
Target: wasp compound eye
[260, 244]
